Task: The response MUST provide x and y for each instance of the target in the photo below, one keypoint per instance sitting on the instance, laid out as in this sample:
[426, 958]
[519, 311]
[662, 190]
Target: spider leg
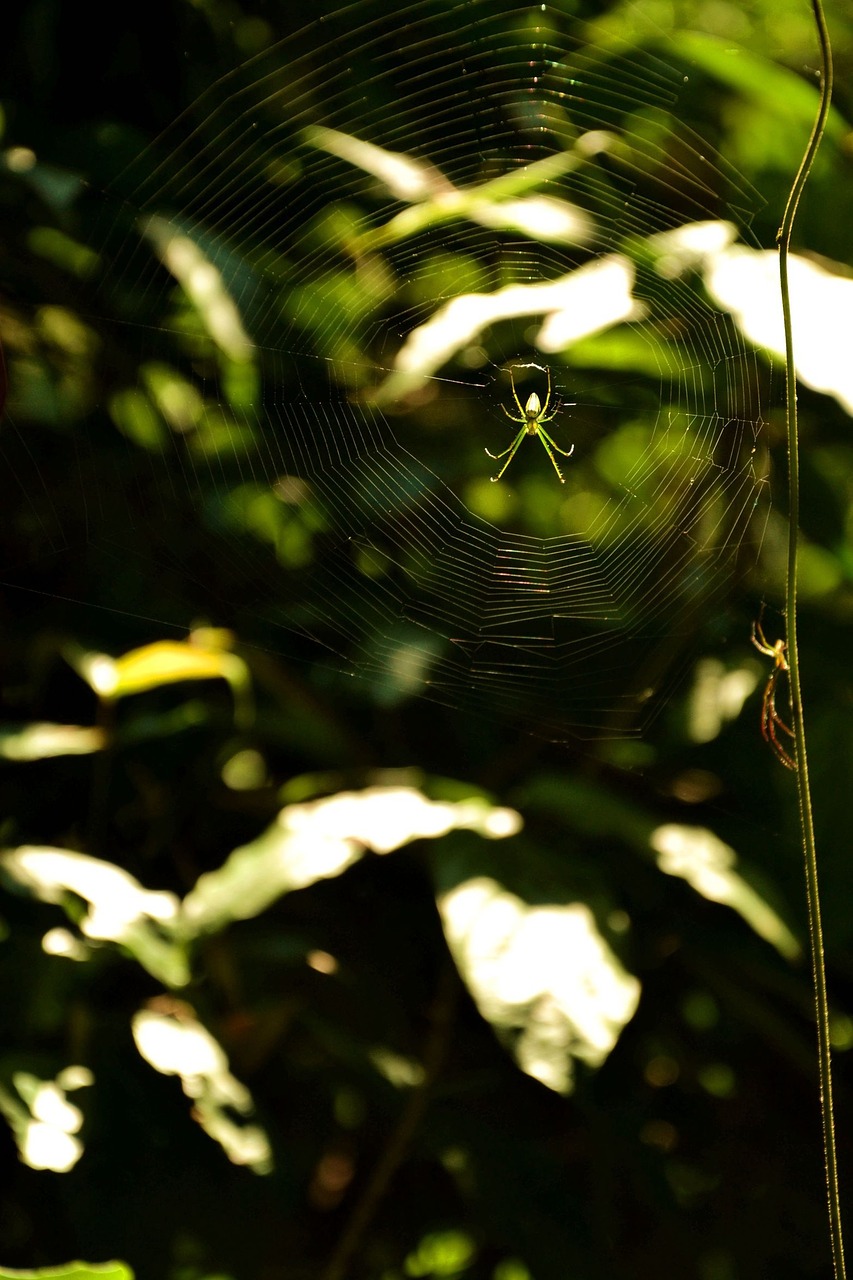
[777, 720]
[768, 707]
[774, 716]
[516, 399]
[547, 396]
[778, 748]
[771, 721]
[567, 453]
[775, 651]
[544, 438]
[570, 404]
[509, 450]
[513, 417]
[512, 452]
[760, 640]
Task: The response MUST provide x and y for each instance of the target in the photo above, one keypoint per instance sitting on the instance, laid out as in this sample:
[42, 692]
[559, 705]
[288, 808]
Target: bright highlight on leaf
[500, 203]
[717, 697]
[746, 283]
[174, 1042]
[543, 976]
[319, 839]
[308, 842]
[705, 862]
[120, 910]
[43, 741]
[203, 284]
[595, 297]
[205, 655]
[72, 1271]
[44, 1123]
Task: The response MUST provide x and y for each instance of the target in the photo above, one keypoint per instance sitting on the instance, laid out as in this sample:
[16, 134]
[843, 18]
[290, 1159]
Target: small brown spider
[771, 721]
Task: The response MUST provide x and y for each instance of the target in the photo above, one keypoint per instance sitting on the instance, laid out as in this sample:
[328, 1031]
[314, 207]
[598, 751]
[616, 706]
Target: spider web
[325, 272]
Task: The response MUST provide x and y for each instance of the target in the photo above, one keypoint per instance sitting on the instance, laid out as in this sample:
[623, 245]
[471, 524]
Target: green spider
[532, 416]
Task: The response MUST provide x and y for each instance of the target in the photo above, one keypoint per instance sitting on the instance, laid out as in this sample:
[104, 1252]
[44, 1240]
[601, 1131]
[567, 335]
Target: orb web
[318, 283]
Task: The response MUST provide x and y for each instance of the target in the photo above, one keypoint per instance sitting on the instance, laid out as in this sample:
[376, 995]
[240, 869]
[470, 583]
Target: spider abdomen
[533, 408]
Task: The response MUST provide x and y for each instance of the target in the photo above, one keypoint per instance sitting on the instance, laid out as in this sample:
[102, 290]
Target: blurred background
[395, 878]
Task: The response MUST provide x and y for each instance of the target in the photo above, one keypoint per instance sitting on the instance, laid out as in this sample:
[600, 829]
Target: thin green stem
[803, 789]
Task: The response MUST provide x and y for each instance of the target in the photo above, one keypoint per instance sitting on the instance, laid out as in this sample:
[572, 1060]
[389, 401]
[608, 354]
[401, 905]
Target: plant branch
[803, 789]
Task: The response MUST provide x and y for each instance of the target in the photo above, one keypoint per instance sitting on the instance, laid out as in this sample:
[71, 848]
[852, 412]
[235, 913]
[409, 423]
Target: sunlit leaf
[406, 177]
[717, 696]
[705, 862]
[136, 417]
[178, 401]
[594, 297]
[692, 853]
[543, 976]
[313, 841]
[204, 285]
[44, 1123]
[445, 1253]
[499, 203]
[72, 1271]
[42, 741]
[204, 656]
[120, 909]
[746, 283]
[170, 1037]
[56, 247]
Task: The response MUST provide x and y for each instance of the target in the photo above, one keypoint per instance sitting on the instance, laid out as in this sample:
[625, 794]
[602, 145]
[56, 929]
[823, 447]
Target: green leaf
[204, 656]
[781, 91]
[73, 1271]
